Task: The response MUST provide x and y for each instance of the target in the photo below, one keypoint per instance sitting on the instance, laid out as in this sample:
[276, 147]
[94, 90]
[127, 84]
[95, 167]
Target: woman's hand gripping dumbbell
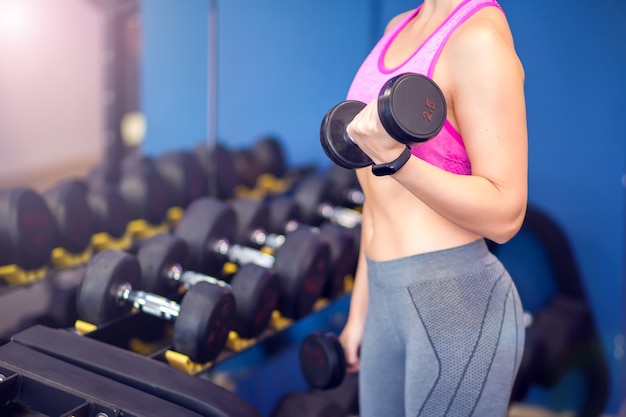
[410, 108]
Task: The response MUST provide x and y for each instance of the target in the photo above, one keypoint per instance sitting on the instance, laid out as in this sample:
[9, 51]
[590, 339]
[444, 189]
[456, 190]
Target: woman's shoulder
[397, 19]
[487, 26]
[484, 38]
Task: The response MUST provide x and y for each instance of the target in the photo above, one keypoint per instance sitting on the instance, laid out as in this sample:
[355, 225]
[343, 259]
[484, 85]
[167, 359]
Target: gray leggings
[444, 336]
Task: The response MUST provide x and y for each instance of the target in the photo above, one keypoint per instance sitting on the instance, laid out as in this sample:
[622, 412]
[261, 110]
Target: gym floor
[530, 411]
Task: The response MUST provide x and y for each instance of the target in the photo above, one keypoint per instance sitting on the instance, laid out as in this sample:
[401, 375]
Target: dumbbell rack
[83, 367]
[258, 367]
[37, 382]
[245, 372]
[60, 373]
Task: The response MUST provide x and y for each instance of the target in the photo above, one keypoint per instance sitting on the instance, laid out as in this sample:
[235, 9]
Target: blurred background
[87, 81]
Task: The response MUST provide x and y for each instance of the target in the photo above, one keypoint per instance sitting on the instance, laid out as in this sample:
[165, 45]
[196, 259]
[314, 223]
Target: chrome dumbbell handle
[243, 255]
[342, 216]
[258, 237]
[189, 278]
[356, 197]
[148, 303]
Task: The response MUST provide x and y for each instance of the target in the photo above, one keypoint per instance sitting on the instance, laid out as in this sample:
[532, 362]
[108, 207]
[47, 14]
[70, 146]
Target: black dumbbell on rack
[316, 205]
[110, 217]
[27, 239]
[264, 158]
[45, 243]
[183, 173]
[219, 169]
[154, 190]
[202, 321]
[27, 236]
[257, 171]
[209, 228]
[147, 197]
[345, 189]
[68, 203]
[266, 223]
[255, 289]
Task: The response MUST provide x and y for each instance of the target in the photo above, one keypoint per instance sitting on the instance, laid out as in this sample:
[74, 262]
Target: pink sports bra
[446, 150]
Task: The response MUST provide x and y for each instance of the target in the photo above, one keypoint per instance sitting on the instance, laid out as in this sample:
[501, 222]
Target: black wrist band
[393, 166]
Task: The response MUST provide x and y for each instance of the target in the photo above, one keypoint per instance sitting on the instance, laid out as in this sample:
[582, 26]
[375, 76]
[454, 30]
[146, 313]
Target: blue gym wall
[282, 64]
[174, 72]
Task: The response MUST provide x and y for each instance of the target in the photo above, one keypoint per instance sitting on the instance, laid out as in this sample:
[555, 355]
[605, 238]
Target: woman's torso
[401, 224]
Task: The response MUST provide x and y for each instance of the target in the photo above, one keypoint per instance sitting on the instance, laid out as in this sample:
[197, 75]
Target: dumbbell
[173, 179]
[27, 235]
[147, 197]
[255, 289]
[316, 206]
[209, 227]
[202, 321]
[105, 174]
[265, 223]
[411, 108]
[247, 169]
[269, 156]
[322, 361]
[219, 169]
[264, 158]
[110, 217]
[68, 203]
[344, 189]
[183, 173]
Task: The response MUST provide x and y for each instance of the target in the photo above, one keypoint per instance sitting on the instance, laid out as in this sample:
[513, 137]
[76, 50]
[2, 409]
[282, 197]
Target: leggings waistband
[447, 263]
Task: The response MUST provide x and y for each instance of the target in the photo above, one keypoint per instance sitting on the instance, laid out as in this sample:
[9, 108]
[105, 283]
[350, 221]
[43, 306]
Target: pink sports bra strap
[435, 43]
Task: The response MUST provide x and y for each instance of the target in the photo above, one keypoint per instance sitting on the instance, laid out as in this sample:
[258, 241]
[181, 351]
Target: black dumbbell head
[301, 266]
[282, 210]
[310, 193]
[322, 361]
[108, 210]
[70, 209]
[412, 108]
[204, 322]
[256, 294]
[219, 168]
[146, 193]
[27, 231]
[251, 215]
[156, 257]
[565, 330]
[96, 301]
[343, 257]
[246, 166]
[341, 183]
[204, 223]
[336, 142]
[344, 178]
[269, 156]
[105, 174]
[184, 175]
[530, 366]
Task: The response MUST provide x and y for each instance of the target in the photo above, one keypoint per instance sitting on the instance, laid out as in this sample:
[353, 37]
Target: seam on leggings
[515, 364]
[494, 352]
[482, 327]
[432, 345]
